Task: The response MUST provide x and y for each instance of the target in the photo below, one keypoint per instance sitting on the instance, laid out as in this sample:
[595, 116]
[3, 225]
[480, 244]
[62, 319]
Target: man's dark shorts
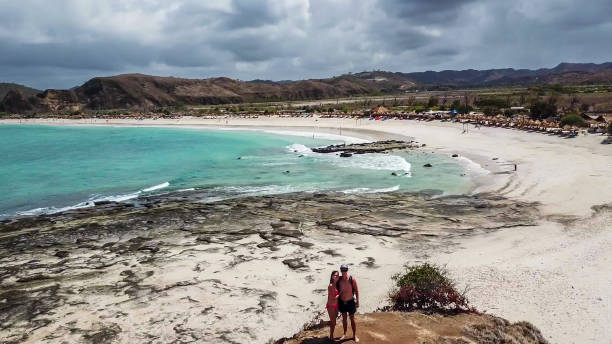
[347, 306]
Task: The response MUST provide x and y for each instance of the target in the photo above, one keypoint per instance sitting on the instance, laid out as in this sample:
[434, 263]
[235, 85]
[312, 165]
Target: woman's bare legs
[333, 313]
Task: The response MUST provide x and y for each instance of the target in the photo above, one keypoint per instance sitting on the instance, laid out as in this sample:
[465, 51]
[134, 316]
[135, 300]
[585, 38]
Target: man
[348, 300]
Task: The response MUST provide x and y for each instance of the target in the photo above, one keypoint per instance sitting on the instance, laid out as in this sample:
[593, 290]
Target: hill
[137, 91]
[416, 327]
[566, 73]
[27, 91]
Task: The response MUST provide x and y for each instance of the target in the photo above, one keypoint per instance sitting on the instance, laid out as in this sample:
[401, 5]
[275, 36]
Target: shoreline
[480, 177]
[549, 167]
[523, 273]
[484, 182]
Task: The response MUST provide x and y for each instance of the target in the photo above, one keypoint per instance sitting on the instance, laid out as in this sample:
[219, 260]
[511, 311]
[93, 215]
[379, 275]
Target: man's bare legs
[344, 325]
[353, 327]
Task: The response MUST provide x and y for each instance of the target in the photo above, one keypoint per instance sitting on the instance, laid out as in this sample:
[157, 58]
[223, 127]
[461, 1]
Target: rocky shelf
[369, 147]
[149, 271]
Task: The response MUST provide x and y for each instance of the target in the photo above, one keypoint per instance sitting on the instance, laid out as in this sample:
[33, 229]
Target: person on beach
[348, 301]
[332, 302]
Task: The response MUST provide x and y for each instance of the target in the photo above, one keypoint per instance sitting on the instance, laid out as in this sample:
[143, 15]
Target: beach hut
[379, 110]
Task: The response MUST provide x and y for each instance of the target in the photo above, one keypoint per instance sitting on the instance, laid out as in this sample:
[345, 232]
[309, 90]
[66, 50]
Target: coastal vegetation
[544, 109]
[427, 287]
[573, 120]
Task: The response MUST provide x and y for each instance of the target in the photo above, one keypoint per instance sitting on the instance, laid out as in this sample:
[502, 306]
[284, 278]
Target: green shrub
[427, 287]
[3, 114]
[573, 120]
[544, 109]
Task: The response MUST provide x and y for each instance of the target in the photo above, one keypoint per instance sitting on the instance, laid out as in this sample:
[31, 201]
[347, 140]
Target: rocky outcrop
[394, 327]
[368, 147]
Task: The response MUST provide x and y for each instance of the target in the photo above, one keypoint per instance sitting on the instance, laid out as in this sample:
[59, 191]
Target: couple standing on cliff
[343, 297]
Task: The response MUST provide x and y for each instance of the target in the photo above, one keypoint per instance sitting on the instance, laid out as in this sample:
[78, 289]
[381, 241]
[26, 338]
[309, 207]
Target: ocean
[48, 169]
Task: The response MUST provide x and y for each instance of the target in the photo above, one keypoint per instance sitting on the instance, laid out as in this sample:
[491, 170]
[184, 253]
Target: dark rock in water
[428, 165]
[301, 156]
[239, 158]
[494, 158]
[607, 141]
[286, 172]
[345, 155]
[455, 155]
[99, 203]
[423, 145]
[394, 174]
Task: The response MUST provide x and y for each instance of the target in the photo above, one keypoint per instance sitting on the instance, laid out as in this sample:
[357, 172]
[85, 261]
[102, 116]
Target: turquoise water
[45, 169]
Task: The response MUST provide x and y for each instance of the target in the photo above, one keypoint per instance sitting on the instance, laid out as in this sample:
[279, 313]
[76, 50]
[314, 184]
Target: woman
[332, 303]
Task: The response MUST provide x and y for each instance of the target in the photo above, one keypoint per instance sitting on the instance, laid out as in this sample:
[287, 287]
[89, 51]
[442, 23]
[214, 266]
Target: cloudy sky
[62, 43]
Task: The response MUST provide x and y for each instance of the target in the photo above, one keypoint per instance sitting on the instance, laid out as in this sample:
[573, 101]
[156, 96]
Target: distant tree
[544, 109]
[433, 101]
[463, 109]
[466, 98]
[574, 101]
[490, 110]
[492, 102]
[456, 104]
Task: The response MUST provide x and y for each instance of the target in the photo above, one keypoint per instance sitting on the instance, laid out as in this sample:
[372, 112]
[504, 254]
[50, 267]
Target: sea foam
[369, 161]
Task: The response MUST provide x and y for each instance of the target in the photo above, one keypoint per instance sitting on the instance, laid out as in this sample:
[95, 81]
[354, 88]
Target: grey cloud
[65, 42]
[247, 14]
[101, 55]
[437, 12]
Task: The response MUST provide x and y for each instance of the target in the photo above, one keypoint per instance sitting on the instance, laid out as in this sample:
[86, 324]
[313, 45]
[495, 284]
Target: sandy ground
[557, 275]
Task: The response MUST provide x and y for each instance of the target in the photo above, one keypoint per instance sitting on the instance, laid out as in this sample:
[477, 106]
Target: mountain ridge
[138, 91]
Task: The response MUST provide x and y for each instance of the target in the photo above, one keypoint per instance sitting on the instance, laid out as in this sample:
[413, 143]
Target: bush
[491, 102]
[573, 120]
[541, 109]
[427, 287]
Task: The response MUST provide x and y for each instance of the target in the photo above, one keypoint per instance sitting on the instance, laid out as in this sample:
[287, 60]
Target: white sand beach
[556, 275]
